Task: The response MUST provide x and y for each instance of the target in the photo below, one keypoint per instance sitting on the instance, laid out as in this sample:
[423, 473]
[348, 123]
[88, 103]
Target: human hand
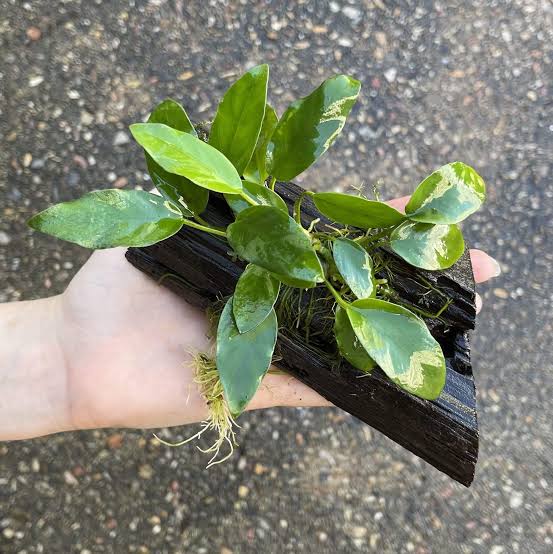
[128, 346]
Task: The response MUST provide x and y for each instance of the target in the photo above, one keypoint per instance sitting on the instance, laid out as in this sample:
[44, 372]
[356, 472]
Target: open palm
[128, 345]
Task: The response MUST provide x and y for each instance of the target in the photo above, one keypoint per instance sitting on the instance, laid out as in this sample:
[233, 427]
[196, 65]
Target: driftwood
[443, 432]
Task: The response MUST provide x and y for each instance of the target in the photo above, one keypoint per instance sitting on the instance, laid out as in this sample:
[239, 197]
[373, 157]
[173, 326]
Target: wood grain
[443, 432]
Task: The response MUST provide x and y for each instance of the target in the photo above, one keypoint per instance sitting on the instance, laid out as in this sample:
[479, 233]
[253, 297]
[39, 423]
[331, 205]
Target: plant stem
[367, 239]
[336, 295]
[272, 183]
[202, 221]
[205, 228]
[248, 199]
[297, 208]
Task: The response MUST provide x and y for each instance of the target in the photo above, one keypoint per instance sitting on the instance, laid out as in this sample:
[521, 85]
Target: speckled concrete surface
[442, 81]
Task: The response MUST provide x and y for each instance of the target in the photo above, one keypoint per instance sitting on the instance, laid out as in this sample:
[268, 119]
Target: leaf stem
[336, 295]
[202, 221]
[248, 199]
[272, 183]
[205, 228]
[367, 239]
[297, 208]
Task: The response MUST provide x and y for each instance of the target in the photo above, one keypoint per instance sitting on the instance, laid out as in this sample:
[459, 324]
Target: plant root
[220, 419]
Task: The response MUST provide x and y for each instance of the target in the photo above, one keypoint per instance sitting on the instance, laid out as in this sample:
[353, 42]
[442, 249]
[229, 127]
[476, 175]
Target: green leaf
[310, 125]
[348, 344]
[243, 359]
[260, 193]
[257, 168]
[356, 211]
[355, 266]
[428, 246]
[185, 155]
[268, 237]
[401, 344]
[172, 114]
[190, 198]
[108, 218]
[448, 195]
[254, 297]
[236, 126]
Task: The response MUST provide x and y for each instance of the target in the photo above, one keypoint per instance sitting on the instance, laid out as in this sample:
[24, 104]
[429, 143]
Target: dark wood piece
[442, 432]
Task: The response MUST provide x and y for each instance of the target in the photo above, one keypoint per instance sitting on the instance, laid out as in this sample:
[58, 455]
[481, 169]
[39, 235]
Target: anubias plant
[248, 148]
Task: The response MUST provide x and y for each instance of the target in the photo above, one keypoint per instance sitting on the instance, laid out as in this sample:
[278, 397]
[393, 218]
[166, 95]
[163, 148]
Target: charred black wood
[200, 267]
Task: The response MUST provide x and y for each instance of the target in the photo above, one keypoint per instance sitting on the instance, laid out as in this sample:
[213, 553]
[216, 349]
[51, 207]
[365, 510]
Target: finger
[285, 390]
[399, 203]
[483, 266]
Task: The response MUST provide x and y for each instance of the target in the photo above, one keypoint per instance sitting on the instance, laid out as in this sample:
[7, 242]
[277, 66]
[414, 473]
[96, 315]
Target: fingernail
[478, 303]
[497, 268]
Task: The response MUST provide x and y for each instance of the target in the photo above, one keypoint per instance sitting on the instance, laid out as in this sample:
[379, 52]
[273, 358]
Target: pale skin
[115, 350]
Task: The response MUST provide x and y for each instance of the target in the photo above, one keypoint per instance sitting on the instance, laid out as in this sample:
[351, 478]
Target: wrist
[32, 370]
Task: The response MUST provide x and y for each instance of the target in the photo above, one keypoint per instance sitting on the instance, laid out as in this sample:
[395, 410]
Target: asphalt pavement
[442, 81]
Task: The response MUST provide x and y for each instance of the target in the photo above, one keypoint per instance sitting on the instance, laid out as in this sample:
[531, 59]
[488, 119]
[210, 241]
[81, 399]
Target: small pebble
[5, 239]
[145, 471]
[33, 33]
[35, 81]
[121, 138]
[87, 118]
[70, 479]
[390, 74]
[358, 532]
[120, 182]
[80, 161]
[516, 500]
[259, 469]
[346, 42]
[114, 441]
[185, 75]
[352, 13]
[38, 163]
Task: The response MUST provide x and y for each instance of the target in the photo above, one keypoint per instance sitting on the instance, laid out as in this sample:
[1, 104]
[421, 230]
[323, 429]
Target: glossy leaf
[239, 117]
[260, 193]
[426, 245]
[172, 114]
[310, 125]
[254, 297]
[257, 168]
[243, 358]
[190, 198]
[108, 218]
[268, 237]
[185, 155]
[355, 266]
[449, 195]
[348, 344]
[356, 211]
[401, 344]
